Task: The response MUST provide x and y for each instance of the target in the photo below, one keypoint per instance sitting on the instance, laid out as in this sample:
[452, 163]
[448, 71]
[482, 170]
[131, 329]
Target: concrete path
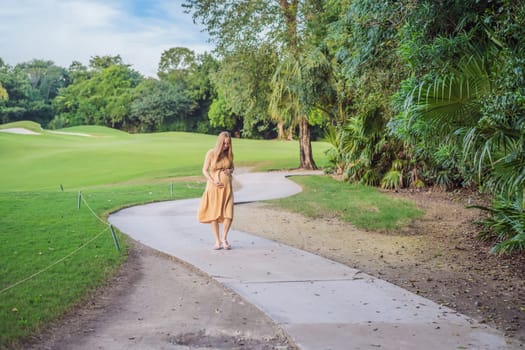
[319, 303]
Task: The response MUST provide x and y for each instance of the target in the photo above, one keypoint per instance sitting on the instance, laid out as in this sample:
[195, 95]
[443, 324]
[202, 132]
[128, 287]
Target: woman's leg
[225, 229]
[215, 229]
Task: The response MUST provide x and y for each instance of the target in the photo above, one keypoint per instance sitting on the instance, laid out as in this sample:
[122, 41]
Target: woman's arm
[206, 169]
[206, 166]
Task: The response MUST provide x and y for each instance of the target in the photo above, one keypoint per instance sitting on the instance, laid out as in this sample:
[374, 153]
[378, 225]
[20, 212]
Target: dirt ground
[437, 256]
[158, 302]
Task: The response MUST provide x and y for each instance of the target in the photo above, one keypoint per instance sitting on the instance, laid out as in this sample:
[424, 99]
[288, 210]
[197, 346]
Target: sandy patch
[70, 133]
[24, 131]
[21, 131]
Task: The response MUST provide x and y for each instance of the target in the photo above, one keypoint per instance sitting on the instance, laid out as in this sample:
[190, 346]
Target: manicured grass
[365, 207]
[39, 229]
[46, 161]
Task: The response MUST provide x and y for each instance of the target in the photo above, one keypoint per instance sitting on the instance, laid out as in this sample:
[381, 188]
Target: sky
[64, 31]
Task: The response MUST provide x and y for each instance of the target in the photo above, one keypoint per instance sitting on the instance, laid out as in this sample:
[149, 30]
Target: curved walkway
[319, 303]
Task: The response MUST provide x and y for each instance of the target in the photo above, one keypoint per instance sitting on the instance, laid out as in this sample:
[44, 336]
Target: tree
[45, 78]
[159, 105]
[250, 23]
[190, 73]
[221, 116]
[99, 63]
[243, 84]
[174, 62]
[31, 86]
[363, 72]
[471, 114]
[102, 96]
[77, 71]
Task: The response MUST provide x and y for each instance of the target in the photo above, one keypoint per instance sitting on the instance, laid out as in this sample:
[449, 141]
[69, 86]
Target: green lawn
[46, 161]
[365, 207]
[68, 248]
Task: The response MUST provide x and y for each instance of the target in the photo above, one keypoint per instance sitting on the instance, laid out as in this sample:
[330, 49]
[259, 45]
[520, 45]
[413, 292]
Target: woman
[216, 206]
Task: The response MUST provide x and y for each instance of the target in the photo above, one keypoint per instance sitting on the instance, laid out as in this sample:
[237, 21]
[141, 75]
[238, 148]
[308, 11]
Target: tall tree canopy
[243, 84]
[279, 24]
[101, 96]
[29, 89]
[190, 74]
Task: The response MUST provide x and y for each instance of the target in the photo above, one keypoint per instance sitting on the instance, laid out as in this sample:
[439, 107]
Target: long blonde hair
[217, 151]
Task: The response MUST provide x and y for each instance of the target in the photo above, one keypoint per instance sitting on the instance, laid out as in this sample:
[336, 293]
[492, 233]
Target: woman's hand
[218, 184]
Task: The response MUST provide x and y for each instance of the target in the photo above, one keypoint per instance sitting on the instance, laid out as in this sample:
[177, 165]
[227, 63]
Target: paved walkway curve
[321, 304]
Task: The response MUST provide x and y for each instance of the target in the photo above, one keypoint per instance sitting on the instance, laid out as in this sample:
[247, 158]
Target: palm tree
[287, 107]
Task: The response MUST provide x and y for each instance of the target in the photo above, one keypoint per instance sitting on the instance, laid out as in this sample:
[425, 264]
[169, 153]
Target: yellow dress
[217, 203]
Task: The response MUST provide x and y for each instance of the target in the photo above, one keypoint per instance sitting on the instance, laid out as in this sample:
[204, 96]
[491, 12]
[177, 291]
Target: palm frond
[506, 223]
[284, 101]
[451, 101]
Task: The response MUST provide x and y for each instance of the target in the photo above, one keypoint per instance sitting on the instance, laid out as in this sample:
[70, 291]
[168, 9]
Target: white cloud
[64, 31]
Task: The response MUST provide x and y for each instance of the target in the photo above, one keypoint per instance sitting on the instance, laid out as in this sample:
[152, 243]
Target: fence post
[115, 240]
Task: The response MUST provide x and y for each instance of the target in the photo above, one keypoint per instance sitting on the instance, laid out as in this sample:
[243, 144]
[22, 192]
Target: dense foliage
[110, 93]
[439, 100]
[27, 90]
[409, 93]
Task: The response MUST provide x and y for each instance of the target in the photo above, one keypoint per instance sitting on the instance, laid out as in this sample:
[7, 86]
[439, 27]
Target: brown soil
[437, 256]
[158, 302]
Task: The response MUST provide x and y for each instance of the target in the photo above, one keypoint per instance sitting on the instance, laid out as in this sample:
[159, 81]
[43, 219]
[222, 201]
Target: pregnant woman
[216, 205]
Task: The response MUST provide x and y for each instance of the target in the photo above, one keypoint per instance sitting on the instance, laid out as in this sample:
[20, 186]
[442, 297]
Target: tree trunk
[280, 131]
[284, 135]
[289, 133]
[305, 146]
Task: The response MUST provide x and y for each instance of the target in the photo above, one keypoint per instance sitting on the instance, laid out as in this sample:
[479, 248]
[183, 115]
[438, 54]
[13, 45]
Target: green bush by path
[363, 206]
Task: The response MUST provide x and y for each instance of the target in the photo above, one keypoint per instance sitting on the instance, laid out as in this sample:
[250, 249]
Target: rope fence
[83, 245]
[81, 199]
[53, 264]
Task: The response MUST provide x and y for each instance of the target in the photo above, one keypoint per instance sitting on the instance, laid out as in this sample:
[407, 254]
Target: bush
[506, 224]
[393, 180]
